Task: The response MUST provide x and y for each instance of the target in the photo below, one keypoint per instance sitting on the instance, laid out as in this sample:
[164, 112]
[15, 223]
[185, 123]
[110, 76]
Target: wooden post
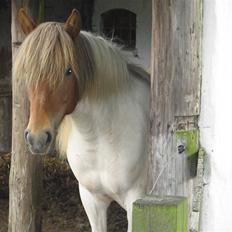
[175, 92]
[160, 214]
[26, 169]
[175, 105]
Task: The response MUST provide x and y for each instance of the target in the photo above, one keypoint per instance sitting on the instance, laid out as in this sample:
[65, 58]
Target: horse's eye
[68, 72]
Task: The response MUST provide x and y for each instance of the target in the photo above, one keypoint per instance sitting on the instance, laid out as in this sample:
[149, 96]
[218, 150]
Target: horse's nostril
[25, 135]
[49, 137]
[28, 137]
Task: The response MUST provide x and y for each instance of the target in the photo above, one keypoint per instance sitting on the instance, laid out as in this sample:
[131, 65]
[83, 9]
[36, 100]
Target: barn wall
[143, 10]
[216, 115]
[59, 10]
[5, 77]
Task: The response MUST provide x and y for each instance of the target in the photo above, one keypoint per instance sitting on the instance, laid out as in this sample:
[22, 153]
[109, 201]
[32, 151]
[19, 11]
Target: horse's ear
[73, 24]
[26, 21]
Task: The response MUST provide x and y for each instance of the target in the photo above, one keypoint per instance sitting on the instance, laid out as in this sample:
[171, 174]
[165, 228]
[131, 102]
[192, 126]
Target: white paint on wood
[216, 114]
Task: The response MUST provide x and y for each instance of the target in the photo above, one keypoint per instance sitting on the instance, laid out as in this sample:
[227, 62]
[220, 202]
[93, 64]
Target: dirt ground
[62, 208]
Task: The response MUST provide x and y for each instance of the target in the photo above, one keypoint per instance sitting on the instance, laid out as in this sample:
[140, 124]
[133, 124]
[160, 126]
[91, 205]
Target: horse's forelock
[45, 55]
[48, 51]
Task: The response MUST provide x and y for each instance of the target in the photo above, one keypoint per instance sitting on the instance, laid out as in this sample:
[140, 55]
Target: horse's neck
[100, 106]
[110, 107]
[93, 118]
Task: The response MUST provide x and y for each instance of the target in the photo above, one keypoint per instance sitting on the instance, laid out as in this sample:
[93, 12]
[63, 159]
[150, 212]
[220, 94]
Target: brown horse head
[46, 61]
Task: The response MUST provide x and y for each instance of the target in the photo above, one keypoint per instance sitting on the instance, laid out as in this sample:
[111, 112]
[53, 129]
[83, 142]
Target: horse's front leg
[96, 209]
[131, 197]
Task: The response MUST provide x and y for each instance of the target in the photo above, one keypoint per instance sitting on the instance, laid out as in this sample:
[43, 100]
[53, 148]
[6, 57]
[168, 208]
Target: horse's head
[46, 62]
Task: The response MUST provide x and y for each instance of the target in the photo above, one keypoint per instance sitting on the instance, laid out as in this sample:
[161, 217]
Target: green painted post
[160, 214]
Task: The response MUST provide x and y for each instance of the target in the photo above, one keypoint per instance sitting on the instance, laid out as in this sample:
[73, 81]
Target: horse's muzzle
[39, 143]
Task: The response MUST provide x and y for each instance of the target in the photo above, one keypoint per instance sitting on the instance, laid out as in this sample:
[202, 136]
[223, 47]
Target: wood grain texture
[5, 122]
[175, 91]
[5, 117]
[26, 170]
[5, 88]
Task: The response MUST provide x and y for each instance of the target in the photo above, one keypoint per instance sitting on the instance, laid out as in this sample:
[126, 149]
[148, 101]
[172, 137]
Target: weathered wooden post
[175, 105]
[26, 170]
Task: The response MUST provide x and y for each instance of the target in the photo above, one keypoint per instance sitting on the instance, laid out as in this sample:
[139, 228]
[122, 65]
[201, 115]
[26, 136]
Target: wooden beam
[26, 170]
[175, 90]
[175, 94]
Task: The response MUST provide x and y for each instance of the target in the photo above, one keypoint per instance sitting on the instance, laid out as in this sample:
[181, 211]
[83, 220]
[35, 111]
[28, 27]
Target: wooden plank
[5, 74]
[26, 170]
[5, 59]
[186, 26]
[5, 89]
[5, 125]
[5, 116]
[175, 91]
[156, 214]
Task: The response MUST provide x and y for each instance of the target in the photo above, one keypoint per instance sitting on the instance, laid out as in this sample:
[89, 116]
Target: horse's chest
[103, 155]
[95, 176]
[94, 168]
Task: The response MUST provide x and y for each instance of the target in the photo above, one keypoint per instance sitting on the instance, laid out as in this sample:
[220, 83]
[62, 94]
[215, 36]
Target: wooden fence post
[26, 170]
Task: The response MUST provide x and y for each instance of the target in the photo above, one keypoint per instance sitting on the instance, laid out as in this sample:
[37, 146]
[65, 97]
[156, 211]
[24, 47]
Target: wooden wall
[5, 77]
[59, 10]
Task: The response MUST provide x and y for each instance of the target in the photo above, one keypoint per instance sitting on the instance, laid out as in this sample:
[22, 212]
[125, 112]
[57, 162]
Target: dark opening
[120, 26]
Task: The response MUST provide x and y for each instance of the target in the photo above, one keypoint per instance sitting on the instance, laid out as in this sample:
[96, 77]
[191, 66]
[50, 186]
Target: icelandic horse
[90, 99]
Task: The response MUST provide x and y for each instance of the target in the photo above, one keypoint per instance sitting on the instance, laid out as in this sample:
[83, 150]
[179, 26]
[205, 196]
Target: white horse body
[107, 151]
[107, 147]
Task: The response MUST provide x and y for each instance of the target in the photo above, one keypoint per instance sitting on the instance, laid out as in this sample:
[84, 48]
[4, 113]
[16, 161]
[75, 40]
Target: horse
[91, 102]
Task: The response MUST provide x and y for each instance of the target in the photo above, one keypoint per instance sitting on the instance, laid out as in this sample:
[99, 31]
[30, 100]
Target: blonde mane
[99, 65]
[110, 66]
